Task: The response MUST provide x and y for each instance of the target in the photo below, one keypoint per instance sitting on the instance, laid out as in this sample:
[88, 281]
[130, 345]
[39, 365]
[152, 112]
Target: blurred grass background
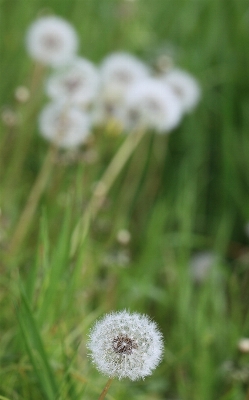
[176, 196]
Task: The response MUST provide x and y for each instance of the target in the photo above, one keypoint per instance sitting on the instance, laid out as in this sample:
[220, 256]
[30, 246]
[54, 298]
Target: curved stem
[106, 388]
[103, 186]
[32, 202]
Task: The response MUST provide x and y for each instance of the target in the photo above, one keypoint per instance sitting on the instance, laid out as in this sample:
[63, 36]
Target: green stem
[32, 202]
[36, 78]
[143, 174]
[103, 186]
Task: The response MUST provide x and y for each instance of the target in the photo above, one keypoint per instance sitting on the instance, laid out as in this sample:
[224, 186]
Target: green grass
[176, 195]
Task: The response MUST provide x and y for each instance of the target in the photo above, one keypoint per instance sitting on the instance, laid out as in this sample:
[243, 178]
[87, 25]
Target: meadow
[88, 251]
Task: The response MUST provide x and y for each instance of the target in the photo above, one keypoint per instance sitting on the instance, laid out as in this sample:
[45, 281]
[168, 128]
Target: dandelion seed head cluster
[118, 72]
[51, 41]
[123, 94]
[125, 345]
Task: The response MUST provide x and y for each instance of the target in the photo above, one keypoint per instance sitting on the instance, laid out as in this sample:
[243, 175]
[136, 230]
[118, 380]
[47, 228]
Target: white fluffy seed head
[77, 83]
[119, 71]
[152, 105]
[66, 126]
[243, 345]
[185, 87]
[51, 41]
[125, 345]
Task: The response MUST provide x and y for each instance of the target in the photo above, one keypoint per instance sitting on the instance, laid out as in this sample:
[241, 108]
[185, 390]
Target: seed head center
[73, 83]
[52, 42]
[123, 345]
[123, 77]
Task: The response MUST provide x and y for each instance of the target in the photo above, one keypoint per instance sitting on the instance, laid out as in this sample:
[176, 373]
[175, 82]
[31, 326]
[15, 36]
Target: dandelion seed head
[125, 345]
[123, 237]
[243, 345]
[150, 104]
[119, 71]
[185, 87]
[51, 41]
[9, 117]
[76, 83]
[66, 126]
[22, 94]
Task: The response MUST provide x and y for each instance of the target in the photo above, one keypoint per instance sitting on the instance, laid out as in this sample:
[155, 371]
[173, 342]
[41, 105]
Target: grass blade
[36, 351]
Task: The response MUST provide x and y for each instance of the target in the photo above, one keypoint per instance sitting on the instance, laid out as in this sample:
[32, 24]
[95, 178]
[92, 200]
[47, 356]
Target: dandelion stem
[32, 201]
[106, 388]
[36, 79]
[103, 186]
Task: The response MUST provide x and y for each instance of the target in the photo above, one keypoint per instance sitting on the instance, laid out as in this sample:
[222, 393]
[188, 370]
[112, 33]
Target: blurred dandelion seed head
[77, 83]
[22, 94]
[125, 345]
[66, 126]
[120, 70]
[9, 117]
[51, 41]
[185, 86]
[123, 237]
[243, 345]
[153, 106]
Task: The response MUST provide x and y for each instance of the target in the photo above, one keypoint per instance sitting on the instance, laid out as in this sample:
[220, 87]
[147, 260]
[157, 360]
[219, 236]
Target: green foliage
[176, 195]
[36, 351]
